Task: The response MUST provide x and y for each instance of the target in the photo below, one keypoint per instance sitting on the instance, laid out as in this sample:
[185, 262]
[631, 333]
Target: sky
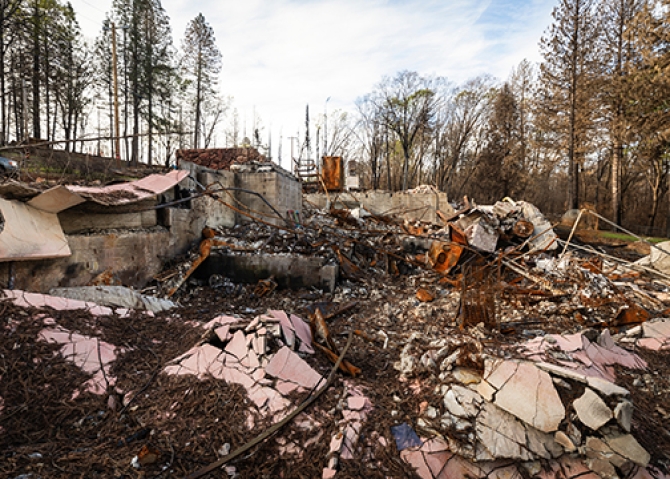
[280, 55]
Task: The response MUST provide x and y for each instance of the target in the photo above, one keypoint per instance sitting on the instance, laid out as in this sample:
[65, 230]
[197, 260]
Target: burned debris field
[481, 344]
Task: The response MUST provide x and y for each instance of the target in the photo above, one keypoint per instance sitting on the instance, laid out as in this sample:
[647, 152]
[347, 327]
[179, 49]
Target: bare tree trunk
[616, 180]
[573, 165]
[36, 71]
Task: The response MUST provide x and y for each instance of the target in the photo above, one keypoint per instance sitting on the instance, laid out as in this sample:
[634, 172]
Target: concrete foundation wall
[134, 241]
[134, 257]
[282, 191]
[218, 215]
[74, 222]
[414, 206]
[289, 271]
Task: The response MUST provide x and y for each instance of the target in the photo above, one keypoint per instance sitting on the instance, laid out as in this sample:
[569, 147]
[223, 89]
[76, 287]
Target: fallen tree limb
[263, 436]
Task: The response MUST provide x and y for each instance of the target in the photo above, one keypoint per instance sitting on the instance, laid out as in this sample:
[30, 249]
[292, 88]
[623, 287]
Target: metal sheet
[132, 192]
[332, 173]
[56, 199]
[27, 233]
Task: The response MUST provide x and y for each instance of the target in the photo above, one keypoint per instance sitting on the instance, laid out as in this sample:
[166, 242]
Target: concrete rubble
[477, 348]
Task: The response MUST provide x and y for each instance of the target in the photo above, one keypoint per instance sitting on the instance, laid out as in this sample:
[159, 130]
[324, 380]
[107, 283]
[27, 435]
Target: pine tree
[647, 88]
[202, 63]
[568, 77]
[620, 54]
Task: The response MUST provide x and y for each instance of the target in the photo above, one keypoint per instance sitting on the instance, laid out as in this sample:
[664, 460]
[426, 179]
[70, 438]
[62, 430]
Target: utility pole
[117, 142]
[295, 166]
[325, 128]
[281, 141]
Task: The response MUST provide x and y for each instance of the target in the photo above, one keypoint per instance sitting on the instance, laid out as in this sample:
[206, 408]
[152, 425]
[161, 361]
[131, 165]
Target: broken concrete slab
[592, 410]
[116, 297]
[288, 270]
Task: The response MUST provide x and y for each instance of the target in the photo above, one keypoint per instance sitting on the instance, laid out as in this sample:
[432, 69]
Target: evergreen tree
[568, 76]
[202, 64]
[619, 54]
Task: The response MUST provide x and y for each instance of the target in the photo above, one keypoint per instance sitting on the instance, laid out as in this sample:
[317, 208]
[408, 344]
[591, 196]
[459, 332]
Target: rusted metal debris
[424, 295]
[265, 287]
[205, 248]
[442, 256]
[332, 173]
[320, 332]
[523, 229]
[478, 299]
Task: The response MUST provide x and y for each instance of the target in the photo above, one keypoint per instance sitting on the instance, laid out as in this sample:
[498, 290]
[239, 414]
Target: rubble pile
[239, 351]
[480, 349]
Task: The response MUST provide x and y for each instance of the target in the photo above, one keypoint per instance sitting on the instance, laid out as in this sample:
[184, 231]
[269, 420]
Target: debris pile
[482, 347]
[239, 352]
[221, 158]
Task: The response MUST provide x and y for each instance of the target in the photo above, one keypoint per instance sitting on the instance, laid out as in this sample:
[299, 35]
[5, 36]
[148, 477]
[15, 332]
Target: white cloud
[280, 55]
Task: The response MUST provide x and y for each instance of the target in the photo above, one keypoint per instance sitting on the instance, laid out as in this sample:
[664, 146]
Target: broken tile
[351, 435]
[563, 439]
[500, 434]
[238, 345]
[303, 332]
[221, 321]
[251, 360]
[501, 373]
[252, 325]
[356, 403]
[560, 371]
[288, 366]
[542, 444]
[286, 327]
[37, 300]
[223, 333]
[529, 394]
[485, 389]
[436, 461]
[328, 473]
[286, 387]
[457, 466]
[592, 410]
[623, 412]
[628, 447]
[466, 376]
[607, 388]
[415, 459]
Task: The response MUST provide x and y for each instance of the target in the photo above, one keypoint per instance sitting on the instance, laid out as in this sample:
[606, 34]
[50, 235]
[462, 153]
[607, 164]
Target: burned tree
[202, 64]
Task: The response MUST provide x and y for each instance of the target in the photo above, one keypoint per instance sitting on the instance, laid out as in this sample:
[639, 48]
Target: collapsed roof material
[27, 233]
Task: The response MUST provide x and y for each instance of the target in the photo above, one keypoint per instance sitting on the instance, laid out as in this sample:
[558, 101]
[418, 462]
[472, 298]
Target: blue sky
[280, 55]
